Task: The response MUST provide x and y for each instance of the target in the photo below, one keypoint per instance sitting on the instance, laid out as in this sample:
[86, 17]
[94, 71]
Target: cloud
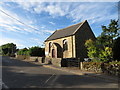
[55, 10]
[39, 7]
[10, 40]
[60, 0]
[52, 23]
[8, 23]
[48, 31]
[37, 42]
[94, 12]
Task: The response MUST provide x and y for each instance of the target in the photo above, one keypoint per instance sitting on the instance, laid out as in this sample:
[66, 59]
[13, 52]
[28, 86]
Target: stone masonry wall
[66, 54]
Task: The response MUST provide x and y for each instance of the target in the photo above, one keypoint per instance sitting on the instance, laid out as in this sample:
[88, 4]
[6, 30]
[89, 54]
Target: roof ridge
[70, 25]
[51, 35]
[79, 26]
[63, 34]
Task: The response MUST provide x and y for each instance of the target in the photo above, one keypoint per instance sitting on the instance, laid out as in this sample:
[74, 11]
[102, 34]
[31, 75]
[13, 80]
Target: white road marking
[49, 78]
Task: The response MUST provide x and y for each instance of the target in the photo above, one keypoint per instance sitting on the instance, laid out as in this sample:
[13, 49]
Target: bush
[23, 51]
[33, 51]
[36, 51]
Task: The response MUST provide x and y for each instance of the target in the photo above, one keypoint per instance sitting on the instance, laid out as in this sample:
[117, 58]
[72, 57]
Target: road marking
[49, 78]
[54, 79]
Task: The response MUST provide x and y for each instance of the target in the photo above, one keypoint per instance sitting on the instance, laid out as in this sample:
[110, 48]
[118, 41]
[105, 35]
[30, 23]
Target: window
[50, 44]
[65, 45]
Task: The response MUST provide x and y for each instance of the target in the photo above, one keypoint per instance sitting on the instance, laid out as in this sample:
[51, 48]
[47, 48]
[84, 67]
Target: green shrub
[36, 51]
[23, 51]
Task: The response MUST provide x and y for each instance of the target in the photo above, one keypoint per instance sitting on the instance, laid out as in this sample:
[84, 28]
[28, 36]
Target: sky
[28, 24]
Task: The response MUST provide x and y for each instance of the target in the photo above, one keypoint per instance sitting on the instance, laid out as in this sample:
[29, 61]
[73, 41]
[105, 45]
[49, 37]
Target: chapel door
[53, 53]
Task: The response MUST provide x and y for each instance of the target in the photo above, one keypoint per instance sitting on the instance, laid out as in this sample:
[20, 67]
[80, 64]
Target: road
[21, 74]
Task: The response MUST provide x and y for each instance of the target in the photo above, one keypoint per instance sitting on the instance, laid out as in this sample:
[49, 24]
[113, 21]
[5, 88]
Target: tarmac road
[20, 74]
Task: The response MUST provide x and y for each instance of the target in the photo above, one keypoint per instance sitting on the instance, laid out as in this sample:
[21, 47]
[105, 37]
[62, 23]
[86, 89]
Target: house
[69, 42]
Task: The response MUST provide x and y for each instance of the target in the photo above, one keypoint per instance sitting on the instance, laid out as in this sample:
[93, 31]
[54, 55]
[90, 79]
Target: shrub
[23, 51]
[36, 51]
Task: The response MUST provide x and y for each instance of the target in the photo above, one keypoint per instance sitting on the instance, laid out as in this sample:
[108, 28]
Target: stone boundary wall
[22, 57]
[56, 61]
[111, 69]
[44, 60]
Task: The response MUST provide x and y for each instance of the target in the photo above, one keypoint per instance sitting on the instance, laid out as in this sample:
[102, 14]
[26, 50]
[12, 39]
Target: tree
[107, 38]
[109, 34]
[36, 51]
[105, 54]
[103, 46]
[116, 49]
[92, 49]
[8, 49]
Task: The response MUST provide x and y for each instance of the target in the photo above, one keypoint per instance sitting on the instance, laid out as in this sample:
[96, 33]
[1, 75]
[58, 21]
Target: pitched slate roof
[68, 31]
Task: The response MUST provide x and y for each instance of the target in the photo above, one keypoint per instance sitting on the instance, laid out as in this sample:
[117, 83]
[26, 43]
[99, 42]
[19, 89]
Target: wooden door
[53, 53]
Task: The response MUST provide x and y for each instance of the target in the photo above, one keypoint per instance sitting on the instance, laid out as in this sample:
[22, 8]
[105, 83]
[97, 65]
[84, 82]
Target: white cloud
[48, 31]
[55, 10]
[10, 24]
[10, 40]
[37, 41]
[38, 7]
[93, 12]
[60, 0]
[52, 23]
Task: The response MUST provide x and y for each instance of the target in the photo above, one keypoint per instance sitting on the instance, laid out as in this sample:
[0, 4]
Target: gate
[70, 62]
[73, 63]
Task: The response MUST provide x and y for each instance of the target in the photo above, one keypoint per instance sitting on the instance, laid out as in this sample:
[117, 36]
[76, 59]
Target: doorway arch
[53, 53]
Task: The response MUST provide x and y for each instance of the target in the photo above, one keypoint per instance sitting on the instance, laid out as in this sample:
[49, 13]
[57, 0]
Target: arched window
[50, 44]
[65, 45]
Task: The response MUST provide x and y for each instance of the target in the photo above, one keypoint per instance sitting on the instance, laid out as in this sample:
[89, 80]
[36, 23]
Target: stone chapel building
[69, 42]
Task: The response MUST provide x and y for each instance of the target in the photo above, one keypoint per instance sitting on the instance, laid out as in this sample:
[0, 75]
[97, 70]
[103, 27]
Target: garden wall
[99, 67]
[45, 60]
[22, 57]
[107, 68]
[53, 61]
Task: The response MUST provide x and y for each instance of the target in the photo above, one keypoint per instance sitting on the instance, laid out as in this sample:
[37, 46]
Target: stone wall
[56, 62]
[107, 68]
[22, 57]
[44, 60]
[53, 61]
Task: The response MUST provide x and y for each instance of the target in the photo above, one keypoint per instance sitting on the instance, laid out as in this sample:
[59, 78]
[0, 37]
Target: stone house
[69, 42]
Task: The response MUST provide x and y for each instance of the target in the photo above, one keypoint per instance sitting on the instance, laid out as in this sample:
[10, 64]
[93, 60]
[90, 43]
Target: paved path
[21, 74]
